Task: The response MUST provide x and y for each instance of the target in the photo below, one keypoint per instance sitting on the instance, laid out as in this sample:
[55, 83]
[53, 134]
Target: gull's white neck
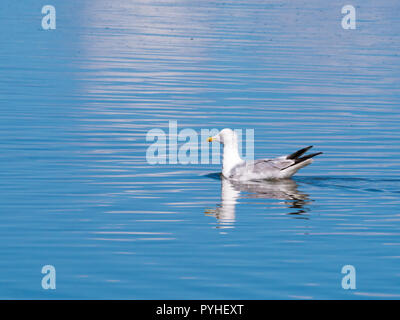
[230, 156]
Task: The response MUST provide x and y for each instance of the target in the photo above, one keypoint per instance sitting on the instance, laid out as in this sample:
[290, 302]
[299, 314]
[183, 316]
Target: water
[76, 189]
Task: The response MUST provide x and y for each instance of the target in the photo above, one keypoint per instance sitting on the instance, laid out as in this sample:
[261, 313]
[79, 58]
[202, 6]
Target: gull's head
[225, 136]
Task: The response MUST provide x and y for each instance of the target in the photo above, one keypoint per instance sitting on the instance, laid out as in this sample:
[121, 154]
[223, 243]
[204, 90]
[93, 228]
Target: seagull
[235, 168]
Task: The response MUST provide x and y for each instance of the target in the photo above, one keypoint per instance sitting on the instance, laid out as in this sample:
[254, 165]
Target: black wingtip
[309, 156]
[312, 155]
[302, 159]
[298, 153]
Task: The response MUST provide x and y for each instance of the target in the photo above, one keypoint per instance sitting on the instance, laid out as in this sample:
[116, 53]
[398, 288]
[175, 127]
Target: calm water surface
[77, 192]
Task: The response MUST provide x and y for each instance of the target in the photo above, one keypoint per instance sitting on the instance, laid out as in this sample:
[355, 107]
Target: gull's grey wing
[281, 167]
[263, 168]
[268, 164]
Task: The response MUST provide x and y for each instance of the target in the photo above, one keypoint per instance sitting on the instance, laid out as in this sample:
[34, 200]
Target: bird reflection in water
[284, 189]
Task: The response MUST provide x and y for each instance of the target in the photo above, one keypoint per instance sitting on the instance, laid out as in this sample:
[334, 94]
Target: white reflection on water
[144, 48]
[284, 189]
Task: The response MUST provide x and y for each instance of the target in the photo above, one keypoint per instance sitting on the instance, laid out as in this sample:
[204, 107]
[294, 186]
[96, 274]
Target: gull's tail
[298, 153]
[300, 161]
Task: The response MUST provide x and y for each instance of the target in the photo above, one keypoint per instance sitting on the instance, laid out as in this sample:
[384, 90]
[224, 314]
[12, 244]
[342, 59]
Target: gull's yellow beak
[209, 139]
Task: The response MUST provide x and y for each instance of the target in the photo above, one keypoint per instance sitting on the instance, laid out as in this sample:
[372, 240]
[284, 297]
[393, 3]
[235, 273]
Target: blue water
[76, 191]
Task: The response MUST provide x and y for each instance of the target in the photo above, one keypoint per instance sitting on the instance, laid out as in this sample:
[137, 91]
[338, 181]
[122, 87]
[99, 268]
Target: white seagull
[235, 168]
